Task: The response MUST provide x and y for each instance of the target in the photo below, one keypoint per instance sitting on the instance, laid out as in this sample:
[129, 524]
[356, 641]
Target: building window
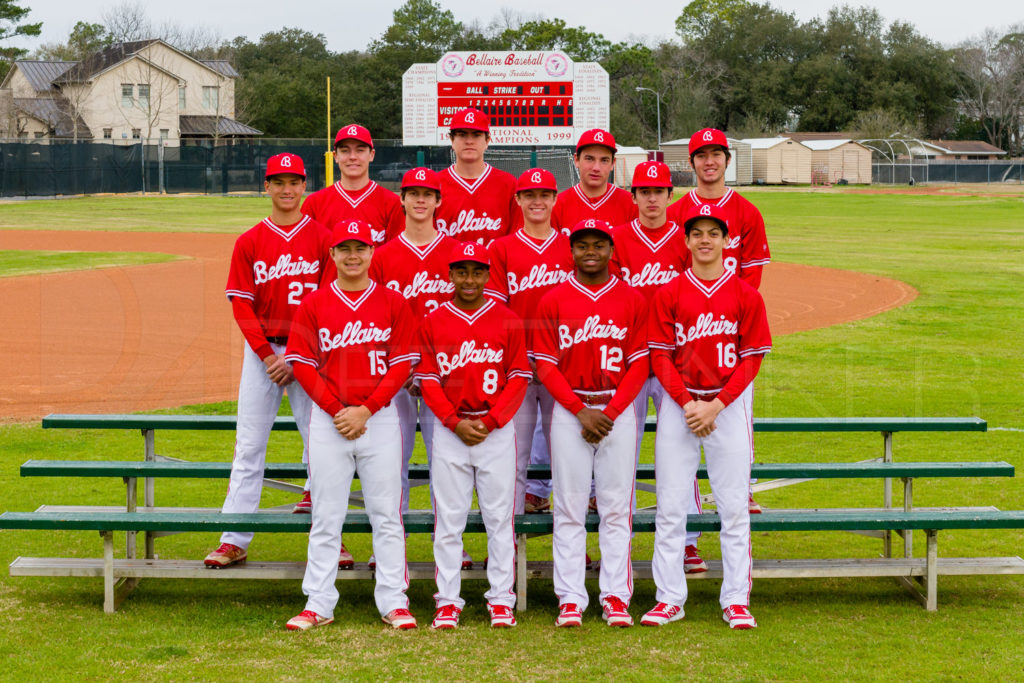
[144, 96]
[137, 133]
[23, 135]
[127, 95]
[181, 97]
[211, 97]
[108, 133]
[164, 133]
[39, 135]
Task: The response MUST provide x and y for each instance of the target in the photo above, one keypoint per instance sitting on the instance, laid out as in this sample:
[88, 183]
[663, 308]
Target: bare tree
[991, 85]
[129, 21]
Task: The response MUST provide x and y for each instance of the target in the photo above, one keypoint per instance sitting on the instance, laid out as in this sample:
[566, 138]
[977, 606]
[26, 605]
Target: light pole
[657, 95]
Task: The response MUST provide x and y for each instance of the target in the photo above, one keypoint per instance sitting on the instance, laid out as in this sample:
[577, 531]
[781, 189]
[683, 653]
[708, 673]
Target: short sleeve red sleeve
[240, 277]
[497, 284]
[543, 335]
[403, 334]
[638, 339]
[755, 336]
[302, 342]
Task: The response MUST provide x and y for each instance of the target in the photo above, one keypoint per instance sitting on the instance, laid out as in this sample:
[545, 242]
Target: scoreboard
[532, 98]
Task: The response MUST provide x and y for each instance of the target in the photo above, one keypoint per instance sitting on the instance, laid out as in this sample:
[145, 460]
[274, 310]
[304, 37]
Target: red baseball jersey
[472, 355]
[478, 210]
[708, 327]
[523, 269]
[379, 207]
[592, 334]
[748, 245]
[573, 205]
[649, 259]
[276, 266]
[419, 274]
[352, 338]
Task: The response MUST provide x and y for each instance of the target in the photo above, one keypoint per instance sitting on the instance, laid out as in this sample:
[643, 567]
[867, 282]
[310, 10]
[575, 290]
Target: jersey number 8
[490, 381]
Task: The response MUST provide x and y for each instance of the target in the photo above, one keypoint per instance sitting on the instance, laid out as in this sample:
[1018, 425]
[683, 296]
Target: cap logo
[705, 209]
[421, 175]
[469, 251]
[591, 223]
[652, 171]
[598, 136]
[469, 117]
[286, 161]
[353, 228]
[535, 178]
[708, 137]
[352, 130]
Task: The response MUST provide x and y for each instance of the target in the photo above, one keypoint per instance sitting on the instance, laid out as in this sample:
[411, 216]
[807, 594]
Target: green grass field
[955, 351]
[39, 262]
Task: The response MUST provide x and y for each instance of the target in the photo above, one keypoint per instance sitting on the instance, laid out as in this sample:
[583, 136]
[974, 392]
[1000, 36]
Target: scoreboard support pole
[533, 157]
[420, 157]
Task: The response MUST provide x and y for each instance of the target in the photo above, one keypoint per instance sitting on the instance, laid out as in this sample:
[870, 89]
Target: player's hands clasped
[278, 370]
[471, 432]
[700, 415]
[351, 421]
[596, 425]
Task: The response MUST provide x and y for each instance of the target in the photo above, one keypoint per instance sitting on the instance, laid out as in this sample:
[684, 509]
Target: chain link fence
[952, 171]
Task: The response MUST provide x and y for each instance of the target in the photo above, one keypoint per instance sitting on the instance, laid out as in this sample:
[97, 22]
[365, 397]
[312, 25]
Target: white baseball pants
[410, 410]
[532, 418]
[611, 464]
[333, 460]
[258, 402]
[455, 469]
[677, 455]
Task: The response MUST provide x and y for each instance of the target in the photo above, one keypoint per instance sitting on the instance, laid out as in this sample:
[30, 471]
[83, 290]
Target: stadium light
[657, 95]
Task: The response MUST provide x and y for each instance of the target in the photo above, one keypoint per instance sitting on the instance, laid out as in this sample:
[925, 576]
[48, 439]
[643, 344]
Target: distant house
[841, 159]
[780, 160]
[738, 172]
[129, 92]
[962, 150]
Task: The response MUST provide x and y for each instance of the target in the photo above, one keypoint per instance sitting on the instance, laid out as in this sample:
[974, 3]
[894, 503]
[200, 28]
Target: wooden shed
[779, 160]
[738, 172]
[835, 160]
[626, 159]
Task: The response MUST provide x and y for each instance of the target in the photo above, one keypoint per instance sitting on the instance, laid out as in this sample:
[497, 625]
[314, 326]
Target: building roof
[766, 143]
[804, 137]
[221, 66]
[41, 74]
[101, 61]
[53, 111]
[820, 145]
[976, 147]
[206, 125]
[685, 142]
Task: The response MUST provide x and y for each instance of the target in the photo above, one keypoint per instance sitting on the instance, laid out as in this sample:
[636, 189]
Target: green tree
[85, 39]
[11, 16]
[701, 16]
[553, 34]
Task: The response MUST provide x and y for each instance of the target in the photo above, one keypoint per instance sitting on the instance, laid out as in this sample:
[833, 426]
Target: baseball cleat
[662, 613]
[345, 559]
[590, 563]
[446, 617]
[304, 506]
[592, 506]
[501, 616]
[692, 562]
[307, 619]
[399, 618]
[535, 504]
[467, 561]
[615, 612]
[569, 615]
[753, 506]
[372, 562]
[225, 556]
[739, 617]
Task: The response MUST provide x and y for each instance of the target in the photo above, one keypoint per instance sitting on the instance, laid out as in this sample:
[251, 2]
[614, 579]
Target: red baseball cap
[591, 224]
[286, 162]
[711, 211]
[354, 131]
[469, 251]
[596, 136]
[537, 179]
[351, 230]
[421, 177]
[705, 137]
[470, 119]
[652, 174]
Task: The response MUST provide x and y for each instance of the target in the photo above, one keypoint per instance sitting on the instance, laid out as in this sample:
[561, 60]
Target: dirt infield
[158, 336]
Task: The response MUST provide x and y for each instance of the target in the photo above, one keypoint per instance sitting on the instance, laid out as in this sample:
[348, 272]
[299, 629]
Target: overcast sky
[945, 21]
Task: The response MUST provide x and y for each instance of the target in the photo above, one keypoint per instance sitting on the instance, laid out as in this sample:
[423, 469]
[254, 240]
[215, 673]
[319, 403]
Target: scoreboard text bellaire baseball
[532, 98]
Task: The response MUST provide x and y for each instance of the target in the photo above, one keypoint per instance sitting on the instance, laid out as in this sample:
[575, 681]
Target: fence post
[224, 177]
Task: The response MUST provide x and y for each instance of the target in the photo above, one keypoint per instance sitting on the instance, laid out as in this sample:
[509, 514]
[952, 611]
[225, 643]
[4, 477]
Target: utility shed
[739, 171]
[779, 160]
[626, 159]
[835, 160]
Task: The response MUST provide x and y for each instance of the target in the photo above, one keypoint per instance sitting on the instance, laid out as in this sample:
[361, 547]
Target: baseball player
[591, 349]
[708, 333]
[479, 204]
[746, 252]
[473, 373]
[274, 266]
[593, 196]
[351, 350]
[354, 195]
[415, 263]
[524, 266]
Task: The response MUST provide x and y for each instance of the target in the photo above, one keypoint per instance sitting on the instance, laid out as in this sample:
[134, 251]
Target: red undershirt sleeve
[631, 384]
[741, 378]
[666, 372]
[389, 385]
[438, 402]
[554, 381]
[506, 405]
[249, 324]
[752, 275]
[314, 385]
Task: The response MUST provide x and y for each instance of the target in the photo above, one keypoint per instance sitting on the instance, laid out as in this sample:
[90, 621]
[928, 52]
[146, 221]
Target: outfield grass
[953, 351]
[38, 262]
